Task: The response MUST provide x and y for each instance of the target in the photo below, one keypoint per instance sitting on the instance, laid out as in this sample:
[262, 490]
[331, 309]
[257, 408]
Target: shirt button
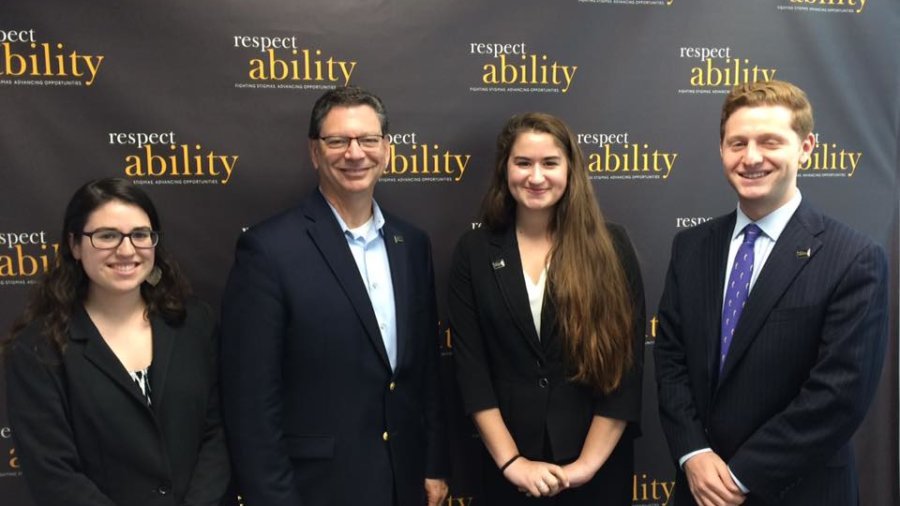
[374, 286]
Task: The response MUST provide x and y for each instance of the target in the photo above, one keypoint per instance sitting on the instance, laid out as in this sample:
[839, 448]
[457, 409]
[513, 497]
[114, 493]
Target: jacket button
[162, 490]
[392, 386]
[385, 436]
[543, 382]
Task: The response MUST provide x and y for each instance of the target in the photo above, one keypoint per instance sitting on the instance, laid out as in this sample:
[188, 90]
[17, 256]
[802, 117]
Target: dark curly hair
[61, 290]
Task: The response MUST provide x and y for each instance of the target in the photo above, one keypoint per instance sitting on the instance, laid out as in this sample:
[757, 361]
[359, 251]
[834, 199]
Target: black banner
[205, 104]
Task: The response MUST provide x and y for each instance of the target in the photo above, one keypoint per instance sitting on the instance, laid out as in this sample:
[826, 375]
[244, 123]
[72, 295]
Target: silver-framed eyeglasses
[337, 142]
[110, 238]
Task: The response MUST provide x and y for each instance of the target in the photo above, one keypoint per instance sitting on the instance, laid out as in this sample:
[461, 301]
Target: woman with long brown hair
[111, 373]
[547, 319]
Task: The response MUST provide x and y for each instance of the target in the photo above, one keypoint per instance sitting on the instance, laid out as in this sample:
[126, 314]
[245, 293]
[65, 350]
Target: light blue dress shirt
[370, 253]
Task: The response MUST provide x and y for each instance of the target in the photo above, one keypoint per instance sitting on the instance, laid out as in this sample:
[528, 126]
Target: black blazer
[85, 434]
[314, 414]
[803, 364]
[501, 363]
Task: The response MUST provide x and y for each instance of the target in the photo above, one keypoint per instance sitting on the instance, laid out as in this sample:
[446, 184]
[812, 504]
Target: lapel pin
[804, 253]
[498, 264]
[398, 239]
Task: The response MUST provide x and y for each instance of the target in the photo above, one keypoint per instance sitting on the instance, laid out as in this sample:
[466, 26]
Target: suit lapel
[398, 258]
[779, 271]
[719, 240]
[163, 343]
[327, 236]
[507, 266]
[98, 353]
[548, 321]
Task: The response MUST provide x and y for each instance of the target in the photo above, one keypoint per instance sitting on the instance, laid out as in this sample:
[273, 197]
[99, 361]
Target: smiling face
[537, 172]
[116, 271]
[761, 154]
[354, 170]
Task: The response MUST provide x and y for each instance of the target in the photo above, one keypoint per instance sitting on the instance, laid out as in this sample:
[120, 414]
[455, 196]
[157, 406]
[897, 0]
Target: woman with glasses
[547, 319]
[110, 372]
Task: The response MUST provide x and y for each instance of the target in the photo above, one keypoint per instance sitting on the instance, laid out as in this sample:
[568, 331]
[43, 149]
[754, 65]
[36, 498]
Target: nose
[354, 151]
[126, 247]
[537, 174]
[752, 154]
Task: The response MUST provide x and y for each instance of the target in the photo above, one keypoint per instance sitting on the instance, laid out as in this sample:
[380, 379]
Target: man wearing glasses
[330, 381]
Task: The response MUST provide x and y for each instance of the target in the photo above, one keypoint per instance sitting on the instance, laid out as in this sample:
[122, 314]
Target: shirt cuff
[737, 482]
[688, 456]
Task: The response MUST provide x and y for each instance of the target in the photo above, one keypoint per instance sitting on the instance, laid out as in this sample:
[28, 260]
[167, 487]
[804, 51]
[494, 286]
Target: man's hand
[710, 481]
[435, 491]
[536, 478]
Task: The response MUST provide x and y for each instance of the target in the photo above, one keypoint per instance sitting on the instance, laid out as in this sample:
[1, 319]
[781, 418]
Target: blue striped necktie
[738, 289]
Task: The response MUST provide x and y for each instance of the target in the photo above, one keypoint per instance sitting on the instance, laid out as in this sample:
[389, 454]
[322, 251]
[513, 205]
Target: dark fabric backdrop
[640, 81]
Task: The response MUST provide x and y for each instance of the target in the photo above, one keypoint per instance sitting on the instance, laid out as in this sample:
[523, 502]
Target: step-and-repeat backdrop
[205, 104]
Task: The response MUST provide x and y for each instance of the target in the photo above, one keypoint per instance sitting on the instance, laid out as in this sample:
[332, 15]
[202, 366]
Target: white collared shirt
[772, 225]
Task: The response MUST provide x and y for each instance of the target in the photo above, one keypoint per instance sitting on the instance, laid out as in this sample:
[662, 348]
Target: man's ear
[314, 148]
[807, 145]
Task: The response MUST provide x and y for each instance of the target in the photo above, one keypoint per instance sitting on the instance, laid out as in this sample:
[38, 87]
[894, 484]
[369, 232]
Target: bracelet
[509, 462]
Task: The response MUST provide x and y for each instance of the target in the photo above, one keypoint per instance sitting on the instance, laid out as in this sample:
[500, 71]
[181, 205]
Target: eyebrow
[761, 137]
[322, 136]
[523, 157]
[142, 227]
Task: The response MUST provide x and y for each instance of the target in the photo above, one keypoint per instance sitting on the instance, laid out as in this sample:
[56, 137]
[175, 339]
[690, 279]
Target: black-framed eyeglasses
[365, 141]
[110, 238]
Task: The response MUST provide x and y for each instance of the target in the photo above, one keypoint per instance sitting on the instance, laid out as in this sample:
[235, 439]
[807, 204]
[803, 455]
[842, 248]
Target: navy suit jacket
[314, 414]
[803, 364]
[84, 431]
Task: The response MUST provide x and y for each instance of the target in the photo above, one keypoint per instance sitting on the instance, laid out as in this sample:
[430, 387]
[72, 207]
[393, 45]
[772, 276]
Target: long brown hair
[60, 292]
[585, 281]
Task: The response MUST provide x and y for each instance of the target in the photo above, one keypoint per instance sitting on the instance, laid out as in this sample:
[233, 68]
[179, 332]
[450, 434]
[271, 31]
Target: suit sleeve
[212, 471]
[677, 411]
[437, 453]
[470, 357]
[625, 402]
[252, 335]
[832, 402]
[37, 403]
